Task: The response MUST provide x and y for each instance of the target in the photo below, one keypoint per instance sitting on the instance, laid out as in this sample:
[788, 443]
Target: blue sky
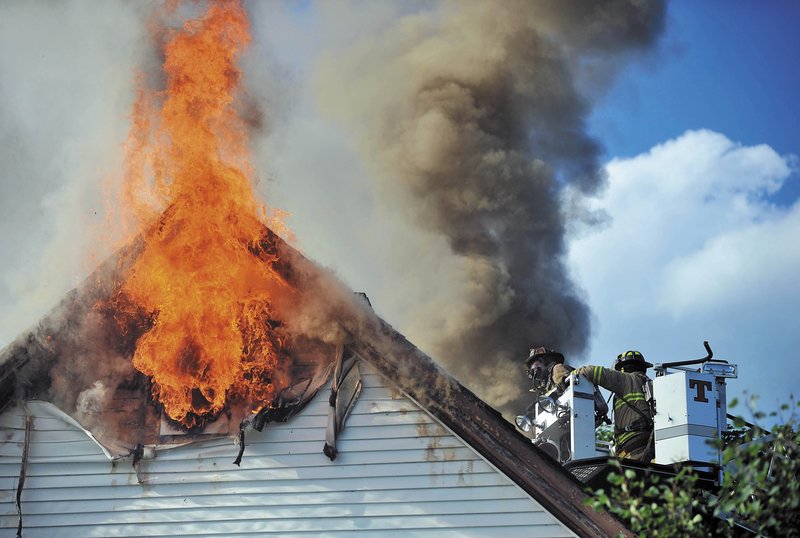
[729, 66]
[700, 215]
[730, 71]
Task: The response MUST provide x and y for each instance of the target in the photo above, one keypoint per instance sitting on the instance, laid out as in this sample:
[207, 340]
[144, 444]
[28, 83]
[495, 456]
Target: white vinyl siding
[398, 472]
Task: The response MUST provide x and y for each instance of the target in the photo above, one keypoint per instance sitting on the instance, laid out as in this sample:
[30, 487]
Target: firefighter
[633, 415]
[543, 366]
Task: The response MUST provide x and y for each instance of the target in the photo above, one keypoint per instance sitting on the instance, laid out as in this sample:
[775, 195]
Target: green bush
[760, 491]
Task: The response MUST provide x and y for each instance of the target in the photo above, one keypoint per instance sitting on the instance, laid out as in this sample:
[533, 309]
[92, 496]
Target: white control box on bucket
[687, 417]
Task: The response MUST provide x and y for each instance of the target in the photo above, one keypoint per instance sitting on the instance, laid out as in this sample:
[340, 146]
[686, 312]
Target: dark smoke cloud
[473, 124]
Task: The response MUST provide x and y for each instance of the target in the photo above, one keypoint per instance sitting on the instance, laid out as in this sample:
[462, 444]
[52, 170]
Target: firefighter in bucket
[543, 366]
[547, 372]
[633, 413]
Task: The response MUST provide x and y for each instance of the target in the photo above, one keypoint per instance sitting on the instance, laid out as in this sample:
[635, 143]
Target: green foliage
[604, 432]
[760, 489]
[653, 507]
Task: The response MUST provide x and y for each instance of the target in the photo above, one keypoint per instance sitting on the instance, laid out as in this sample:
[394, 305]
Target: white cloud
[694, 248]
[755, 263]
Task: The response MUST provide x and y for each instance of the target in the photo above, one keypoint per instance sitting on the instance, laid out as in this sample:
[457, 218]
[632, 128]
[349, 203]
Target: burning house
[208, 379]
[370, 436]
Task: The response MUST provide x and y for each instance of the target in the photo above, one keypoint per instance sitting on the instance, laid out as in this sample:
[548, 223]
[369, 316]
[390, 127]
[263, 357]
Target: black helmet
[545, 355]
[631, 358]
[540, 373]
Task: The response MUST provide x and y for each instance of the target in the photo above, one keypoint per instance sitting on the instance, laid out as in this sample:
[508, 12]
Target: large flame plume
[205, 275]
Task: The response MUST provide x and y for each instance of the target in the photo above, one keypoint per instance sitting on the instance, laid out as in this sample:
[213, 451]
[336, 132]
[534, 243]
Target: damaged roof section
[346, 386]
[122, 415]
[79, 357]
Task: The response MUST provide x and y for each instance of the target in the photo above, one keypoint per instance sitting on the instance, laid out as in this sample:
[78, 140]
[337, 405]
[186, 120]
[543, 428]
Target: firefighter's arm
[560, 373]
[604, 377]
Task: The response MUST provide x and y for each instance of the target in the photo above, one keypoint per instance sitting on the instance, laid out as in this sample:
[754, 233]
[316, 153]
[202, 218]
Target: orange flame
[203, 273]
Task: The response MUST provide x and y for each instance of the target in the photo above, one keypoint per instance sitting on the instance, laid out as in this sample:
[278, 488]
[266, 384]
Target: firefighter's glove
[560, 373]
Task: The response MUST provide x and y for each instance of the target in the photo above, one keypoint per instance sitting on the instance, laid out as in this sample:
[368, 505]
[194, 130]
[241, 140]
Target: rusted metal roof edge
[480, 425]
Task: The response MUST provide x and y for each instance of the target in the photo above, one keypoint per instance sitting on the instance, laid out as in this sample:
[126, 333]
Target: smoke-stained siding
[397, 470]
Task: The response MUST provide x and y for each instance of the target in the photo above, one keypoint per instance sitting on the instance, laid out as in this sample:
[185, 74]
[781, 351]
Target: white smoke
[65, 95]
[92, 401]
